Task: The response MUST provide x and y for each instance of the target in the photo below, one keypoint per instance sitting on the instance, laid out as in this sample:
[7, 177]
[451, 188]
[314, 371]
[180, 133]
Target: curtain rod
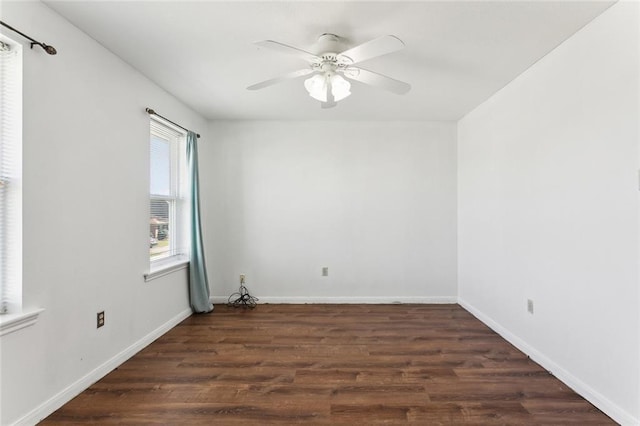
[152, 112]
[49, 49]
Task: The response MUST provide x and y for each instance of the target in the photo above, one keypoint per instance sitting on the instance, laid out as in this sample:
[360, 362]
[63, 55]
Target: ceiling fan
[332, 71]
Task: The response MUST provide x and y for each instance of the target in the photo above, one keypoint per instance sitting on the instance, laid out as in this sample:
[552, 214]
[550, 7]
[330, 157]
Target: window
[10, 176]
[168, 233]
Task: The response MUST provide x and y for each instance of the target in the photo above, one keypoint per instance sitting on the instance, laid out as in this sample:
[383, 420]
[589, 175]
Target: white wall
[374, 202]
[548, 211]
[85, 216]
[547, 204]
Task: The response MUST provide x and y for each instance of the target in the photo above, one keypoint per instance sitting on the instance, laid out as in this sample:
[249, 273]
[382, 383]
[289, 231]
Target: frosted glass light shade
[340, 88]
[317, 87]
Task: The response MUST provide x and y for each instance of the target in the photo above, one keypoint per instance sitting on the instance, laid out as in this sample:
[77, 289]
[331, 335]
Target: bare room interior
[391, 170]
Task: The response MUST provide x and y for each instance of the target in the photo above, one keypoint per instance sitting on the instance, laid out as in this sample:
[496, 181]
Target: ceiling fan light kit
[332, 71]
[320, 85]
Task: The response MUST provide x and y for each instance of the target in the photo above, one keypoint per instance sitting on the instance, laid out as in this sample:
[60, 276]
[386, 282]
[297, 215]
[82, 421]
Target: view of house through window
[159, 241]
[166, 204]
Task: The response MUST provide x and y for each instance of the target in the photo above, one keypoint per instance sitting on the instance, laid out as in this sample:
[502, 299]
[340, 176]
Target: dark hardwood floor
[330, 364]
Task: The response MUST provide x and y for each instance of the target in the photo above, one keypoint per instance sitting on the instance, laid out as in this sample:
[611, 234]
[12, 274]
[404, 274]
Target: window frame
[177, 257]
[11, 182]
[15, 317]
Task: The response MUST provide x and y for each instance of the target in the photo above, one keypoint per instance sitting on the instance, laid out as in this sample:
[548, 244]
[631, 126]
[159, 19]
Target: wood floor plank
[330, 364]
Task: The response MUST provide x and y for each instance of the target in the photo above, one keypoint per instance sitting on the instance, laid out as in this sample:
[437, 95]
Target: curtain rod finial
[49, 49]
[150, 111]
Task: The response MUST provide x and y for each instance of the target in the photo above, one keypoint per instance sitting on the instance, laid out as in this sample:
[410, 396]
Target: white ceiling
[457, 53]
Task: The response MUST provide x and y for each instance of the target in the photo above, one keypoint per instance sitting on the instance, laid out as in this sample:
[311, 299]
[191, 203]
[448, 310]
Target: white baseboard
[607, 406]
[66, 395]
[348, 300]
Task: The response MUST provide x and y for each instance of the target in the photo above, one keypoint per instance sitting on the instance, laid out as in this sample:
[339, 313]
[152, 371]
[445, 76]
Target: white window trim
[167, 264]
[12, 315]
[162, 267]
[14, 322]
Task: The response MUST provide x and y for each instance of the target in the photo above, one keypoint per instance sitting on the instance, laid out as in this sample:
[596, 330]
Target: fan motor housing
[328, 43]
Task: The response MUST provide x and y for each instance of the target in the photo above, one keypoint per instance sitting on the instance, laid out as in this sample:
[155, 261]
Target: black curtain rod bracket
[49, 49]
[152, 112]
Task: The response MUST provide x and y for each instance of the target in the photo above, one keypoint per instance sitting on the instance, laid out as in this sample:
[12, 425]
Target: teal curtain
[199, 293]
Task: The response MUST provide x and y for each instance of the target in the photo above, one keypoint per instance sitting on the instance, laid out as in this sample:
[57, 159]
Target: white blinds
[10, 178]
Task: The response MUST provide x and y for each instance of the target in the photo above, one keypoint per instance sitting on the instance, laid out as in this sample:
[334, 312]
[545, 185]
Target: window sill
[162, 268]
[14, 322]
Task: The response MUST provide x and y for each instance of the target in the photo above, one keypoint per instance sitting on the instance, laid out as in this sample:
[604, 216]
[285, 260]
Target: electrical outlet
[530, 306]
[242, 278]
[325, 271]
[100, 319]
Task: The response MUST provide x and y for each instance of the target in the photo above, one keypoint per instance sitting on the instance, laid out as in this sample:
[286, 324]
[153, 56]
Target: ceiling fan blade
[289, 76]
[376, 47]
[377, 80]
[280, 47]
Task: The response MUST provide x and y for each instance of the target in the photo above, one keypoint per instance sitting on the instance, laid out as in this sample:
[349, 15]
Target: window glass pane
[160, 166]
[167, 237]
[159, 238]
